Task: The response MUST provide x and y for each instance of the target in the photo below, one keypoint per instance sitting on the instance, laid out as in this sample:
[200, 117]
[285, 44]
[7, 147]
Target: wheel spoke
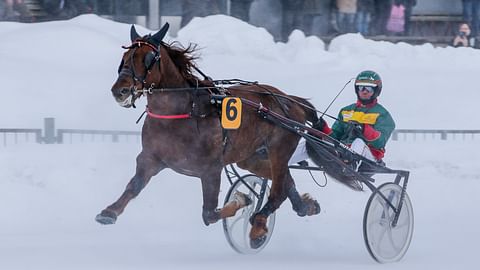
[393, 244]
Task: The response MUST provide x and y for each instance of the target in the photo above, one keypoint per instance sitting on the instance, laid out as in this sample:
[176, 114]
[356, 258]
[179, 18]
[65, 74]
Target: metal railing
[434, 134]
[85, 135]
[20, 135]
[50, 135]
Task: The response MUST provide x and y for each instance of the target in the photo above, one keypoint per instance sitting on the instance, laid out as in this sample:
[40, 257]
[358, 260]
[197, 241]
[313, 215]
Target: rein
[136, 93]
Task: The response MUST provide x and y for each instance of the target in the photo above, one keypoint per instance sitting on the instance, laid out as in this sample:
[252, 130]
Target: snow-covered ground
[50, 194]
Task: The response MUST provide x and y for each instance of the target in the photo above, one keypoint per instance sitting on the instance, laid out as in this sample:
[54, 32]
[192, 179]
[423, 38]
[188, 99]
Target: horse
[182, 131]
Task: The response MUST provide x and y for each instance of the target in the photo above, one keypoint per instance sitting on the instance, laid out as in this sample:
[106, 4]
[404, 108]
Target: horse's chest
[187, 147]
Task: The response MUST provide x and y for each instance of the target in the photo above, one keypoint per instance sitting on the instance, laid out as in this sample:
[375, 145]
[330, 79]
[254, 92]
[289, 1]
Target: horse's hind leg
[283, 186]
[304, 205]
[147, 166]
[277, 195]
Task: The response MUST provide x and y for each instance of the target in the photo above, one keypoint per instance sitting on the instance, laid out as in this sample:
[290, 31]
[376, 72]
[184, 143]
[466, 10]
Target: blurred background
[422, 21]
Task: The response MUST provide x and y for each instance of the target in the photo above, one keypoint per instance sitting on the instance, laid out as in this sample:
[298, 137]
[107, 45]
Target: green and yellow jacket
[377, 123]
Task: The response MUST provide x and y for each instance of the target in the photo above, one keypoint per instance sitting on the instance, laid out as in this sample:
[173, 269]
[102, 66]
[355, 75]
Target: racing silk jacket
[377, 122]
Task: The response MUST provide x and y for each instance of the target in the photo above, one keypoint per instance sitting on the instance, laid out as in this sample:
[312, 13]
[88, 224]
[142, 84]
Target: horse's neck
[170, 102]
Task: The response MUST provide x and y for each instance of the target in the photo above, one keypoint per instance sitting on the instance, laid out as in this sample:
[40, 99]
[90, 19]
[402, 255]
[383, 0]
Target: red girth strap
[173, 116]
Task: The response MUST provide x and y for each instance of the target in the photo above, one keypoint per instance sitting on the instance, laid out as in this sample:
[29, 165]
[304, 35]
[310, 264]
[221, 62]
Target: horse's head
[136, 68]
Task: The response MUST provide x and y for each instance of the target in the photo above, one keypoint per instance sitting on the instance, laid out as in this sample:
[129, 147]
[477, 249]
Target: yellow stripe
[361, 117]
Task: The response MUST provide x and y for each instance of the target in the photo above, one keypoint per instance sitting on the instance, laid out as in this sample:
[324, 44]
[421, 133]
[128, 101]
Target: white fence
[50, 135]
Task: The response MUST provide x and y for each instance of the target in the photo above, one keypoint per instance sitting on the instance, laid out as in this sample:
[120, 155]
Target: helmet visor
[369, 89]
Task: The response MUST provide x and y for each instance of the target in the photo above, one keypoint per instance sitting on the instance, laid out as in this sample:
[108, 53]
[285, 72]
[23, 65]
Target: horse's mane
[184, 59]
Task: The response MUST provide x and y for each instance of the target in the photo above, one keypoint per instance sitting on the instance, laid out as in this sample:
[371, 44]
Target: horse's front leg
[147, 166]
[211, 188]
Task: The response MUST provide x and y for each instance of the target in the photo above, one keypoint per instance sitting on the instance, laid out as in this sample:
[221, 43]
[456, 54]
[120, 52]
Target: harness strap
[172, 116]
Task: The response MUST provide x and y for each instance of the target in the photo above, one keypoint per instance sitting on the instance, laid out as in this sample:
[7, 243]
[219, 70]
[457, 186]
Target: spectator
[408, 4]
[317, 17]
[471, 10]
[464, 37]
[381, 15]
[292, 17]
[16, 10]
[365, 9]
[346, 15]
[240, 9]
[195, 8]
[66, 9]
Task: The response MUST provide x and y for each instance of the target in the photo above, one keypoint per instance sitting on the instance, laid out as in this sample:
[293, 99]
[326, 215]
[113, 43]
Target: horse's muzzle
[123, 96]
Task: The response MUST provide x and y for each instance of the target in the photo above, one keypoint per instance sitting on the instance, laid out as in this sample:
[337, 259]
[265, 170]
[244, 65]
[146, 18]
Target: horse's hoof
[256, 243]
[210, 216]
[258, 233]
[242, 199]
[311, 206]
[106, 218]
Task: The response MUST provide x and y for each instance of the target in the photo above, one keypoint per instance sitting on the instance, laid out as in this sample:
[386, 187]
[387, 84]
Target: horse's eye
[149, 59]
[120, 66]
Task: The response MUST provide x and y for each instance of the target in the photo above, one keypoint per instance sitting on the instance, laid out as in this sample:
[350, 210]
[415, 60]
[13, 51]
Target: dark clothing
[366, 6]
[292, 16]
[472, 42]
[195, 8]
[471, 14]
[381, 15]
[240, 9]
[66, 9]
[405, 2]
[316, 20]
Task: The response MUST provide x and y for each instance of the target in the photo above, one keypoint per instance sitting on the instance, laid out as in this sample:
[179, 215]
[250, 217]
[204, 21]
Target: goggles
[369, 89]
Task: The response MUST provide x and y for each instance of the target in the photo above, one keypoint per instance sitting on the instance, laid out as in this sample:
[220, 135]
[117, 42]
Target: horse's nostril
[124, 91]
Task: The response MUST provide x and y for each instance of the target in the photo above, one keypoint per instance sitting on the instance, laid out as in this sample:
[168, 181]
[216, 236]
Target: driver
[365, 125]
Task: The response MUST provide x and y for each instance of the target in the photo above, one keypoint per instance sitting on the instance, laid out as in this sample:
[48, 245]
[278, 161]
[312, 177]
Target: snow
[50, 194]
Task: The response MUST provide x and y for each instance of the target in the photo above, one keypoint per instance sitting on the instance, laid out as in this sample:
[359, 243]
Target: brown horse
[183, 132]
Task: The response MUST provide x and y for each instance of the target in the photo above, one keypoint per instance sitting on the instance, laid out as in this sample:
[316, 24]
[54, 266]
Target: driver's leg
[360, 147]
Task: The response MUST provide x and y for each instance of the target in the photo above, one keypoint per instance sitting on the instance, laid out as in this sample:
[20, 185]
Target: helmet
[369, 78]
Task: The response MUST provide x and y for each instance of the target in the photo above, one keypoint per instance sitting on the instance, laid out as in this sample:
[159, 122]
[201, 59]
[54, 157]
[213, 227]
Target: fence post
[153, 14]
[395, 135]
[49, 129]
[443, 135]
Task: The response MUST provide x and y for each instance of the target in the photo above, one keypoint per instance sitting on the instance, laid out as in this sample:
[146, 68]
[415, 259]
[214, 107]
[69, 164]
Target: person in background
[464, 37]
[346, 15]
[381, 15]
[66, 9]
[408, 4]
[471, 10]
[241, 9]
[292, 17]
[365, 10]
[15, 10]
[195, 8]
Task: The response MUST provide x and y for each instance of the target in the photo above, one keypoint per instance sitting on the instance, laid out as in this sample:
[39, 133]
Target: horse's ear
[157, 38]
[133, 34]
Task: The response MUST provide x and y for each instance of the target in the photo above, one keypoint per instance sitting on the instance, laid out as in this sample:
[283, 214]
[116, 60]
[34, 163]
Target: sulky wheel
[237, 228]
[386, 241]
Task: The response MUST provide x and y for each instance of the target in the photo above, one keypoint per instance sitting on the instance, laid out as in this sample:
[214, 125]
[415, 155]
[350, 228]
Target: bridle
[150, 59]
